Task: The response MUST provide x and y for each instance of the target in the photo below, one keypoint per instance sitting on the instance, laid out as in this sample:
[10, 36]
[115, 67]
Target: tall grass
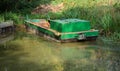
[104, 15]
[1, 18]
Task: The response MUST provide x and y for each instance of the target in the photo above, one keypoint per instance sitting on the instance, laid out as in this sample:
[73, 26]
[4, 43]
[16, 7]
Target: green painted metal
[70, 25]
[35, 20]
[41, 29]
[92, 33]
[68, 28]
[69, 36]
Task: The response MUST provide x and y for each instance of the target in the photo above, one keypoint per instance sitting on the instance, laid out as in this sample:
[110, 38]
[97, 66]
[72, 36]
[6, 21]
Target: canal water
[32, 53]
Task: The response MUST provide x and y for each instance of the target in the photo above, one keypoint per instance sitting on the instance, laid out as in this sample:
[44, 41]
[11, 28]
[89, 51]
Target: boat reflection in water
[34, 53]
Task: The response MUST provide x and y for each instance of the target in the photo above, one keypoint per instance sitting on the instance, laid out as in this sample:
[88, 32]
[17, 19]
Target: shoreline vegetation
[104, 15]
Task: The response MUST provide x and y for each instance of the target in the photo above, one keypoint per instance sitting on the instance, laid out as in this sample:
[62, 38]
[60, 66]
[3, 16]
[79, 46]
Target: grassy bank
[103, 15]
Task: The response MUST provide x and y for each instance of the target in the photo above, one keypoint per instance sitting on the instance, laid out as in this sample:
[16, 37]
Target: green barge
[65, 29]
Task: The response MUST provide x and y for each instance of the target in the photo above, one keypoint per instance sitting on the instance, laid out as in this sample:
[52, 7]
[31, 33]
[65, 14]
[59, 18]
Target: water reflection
[37, 54]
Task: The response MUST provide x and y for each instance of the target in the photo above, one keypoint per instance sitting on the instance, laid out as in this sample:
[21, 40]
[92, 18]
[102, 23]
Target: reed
[103, 15]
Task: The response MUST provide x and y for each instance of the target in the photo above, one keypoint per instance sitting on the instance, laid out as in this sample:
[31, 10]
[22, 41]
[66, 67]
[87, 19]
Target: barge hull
[63, 37]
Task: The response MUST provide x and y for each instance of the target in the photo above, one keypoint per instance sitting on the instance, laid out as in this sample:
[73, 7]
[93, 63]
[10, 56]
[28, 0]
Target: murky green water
[37, 54]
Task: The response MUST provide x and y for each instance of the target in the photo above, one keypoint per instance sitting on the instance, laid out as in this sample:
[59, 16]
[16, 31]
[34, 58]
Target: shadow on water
[10, 59]
[14, 58]
[89, 56]
[37, 54]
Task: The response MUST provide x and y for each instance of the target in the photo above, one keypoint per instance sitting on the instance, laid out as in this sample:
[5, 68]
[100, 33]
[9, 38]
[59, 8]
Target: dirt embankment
[48, 8]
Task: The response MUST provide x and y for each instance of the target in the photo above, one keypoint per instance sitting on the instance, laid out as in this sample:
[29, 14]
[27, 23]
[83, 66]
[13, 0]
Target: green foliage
[115, 36]
[102, 15]
[17, 18]
[20, 5]
[106, 22]
[117, 6]
[1, 18]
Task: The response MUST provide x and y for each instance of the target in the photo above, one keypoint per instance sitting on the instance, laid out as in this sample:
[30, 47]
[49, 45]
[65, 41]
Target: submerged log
[6, 24]
[6, 30]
